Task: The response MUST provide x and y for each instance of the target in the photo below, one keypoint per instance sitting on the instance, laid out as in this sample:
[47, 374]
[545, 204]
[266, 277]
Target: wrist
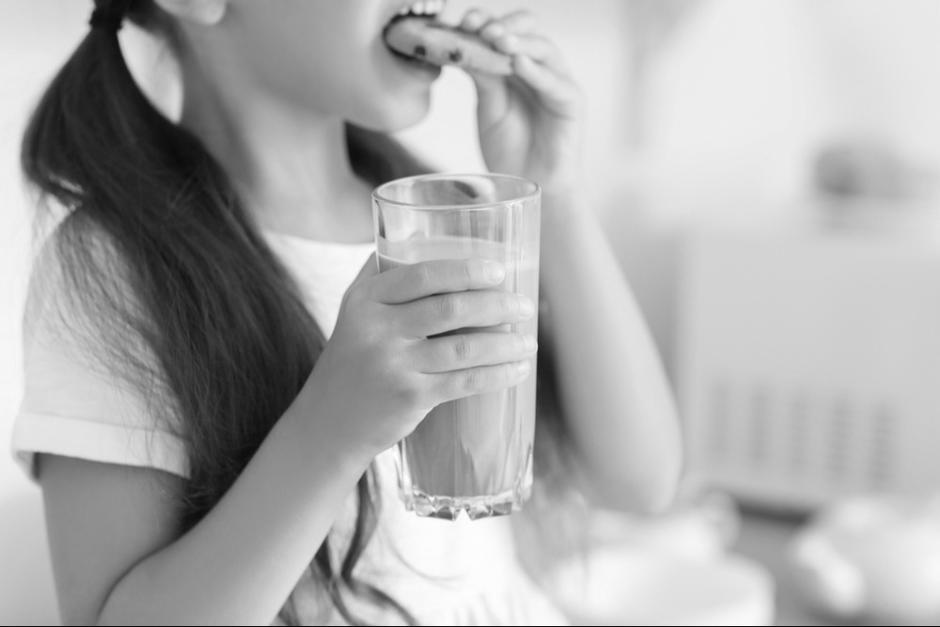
[325, 445]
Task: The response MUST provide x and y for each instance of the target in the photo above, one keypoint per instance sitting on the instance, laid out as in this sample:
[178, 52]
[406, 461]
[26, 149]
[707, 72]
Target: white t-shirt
[443, 572]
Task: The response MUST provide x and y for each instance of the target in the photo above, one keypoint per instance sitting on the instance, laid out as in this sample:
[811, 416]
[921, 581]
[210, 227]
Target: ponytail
[185, 274]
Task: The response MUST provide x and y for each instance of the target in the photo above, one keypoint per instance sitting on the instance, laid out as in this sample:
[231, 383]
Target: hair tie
[106, 20]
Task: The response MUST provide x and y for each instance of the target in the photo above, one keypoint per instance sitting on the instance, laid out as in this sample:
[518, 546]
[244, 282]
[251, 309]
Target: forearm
[614, 392]
[239, 564]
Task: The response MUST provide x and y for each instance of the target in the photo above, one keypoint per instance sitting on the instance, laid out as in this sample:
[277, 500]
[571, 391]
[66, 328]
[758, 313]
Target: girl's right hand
[386, 366]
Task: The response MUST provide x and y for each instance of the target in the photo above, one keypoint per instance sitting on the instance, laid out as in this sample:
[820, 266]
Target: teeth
[422, 7]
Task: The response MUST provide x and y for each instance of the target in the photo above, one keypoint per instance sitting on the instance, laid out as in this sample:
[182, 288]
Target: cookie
[439, 44]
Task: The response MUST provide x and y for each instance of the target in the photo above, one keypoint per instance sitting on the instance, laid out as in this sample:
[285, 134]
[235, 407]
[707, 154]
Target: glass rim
[535, 192]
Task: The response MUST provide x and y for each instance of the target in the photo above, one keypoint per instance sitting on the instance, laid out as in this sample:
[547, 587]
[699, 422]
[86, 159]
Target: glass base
[474, 507]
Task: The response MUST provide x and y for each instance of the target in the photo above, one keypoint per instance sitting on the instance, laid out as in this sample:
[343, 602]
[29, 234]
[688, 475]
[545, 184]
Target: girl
[212, 383]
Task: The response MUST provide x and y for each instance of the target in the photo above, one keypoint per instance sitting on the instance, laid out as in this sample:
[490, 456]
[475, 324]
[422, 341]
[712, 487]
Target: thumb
[369, 269]
[492, 96]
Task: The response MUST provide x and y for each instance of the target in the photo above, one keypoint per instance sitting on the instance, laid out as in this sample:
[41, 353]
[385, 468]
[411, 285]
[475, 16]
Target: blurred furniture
[809, 360]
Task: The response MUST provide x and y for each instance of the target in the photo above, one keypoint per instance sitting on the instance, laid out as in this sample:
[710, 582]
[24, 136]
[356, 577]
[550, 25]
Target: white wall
[737, 104]
[35, 36]
[32, 42]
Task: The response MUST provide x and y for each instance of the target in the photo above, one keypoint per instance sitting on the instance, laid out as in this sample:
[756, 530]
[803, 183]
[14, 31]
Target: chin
[397, 116]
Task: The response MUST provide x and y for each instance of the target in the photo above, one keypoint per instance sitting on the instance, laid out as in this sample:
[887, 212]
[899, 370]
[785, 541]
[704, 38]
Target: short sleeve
[73, 405]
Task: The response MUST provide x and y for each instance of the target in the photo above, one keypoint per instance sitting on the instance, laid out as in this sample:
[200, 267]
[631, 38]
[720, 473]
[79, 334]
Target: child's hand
[529, 122]
[381, 373]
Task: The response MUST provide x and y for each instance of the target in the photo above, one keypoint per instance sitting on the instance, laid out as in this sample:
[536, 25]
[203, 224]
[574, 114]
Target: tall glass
[471, 455]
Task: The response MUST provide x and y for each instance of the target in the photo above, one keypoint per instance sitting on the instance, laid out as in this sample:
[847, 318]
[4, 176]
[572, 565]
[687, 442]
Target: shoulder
[92, 387]
[78, 282]
[82, 320]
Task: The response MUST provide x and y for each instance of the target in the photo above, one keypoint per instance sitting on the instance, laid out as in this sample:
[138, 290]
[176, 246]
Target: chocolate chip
[421, 51]
[456, 55]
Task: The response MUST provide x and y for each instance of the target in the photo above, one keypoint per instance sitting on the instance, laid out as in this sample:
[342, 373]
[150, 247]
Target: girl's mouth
[422, 9]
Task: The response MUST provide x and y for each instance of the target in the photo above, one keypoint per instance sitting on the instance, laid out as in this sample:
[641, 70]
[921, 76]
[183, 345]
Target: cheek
[348, 74]
[399, 96]
[392, 108]
[392, 119]
[370, 90]
[395, 113]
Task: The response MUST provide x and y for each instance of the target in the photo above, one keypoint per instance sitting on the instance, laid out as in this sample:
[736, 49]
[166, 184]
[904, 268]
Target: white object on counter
[624, 585]
[872, 557]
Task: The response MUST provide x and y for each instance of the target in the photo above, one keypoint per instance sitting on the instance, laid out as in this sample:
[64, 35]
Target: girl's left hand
[529, 122]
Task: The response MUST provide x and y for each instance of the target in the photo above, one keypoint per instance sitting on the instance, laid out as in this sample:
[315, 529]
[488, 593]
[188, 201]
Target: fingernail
[529, 343]
[526, 307]
[493, 271]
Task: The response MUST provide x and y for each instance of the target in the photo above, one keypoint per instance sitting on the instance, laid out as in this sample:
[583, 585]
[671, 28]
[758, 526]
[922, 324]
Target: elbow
[646, 484]
[657, 493]
[648, 493]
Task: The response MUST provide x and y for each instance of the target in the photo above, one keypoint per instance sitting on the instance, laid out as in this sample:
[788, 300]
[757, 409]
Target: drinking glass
[474, 454]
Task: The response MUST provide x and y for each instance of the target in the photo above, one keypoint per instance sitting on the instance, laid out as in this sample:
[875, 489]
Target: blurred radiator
[810, 364]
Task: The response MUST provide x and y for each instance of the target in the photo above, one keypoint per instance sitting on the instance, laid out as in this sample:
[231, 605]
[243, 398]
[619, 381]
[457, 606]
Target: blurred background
[768, 172]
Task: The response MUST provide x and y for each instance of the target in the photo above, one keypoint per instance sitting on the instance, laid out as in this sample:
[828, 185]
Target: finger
[492, 30]
[517, 23]
[472, 381]
[492, 95]
[369, 269]
[474, 20]
[471, 350]
[403, 284]
[555, 91]
[520, 22]
[536, 47]
[477, 22]
[448, 312]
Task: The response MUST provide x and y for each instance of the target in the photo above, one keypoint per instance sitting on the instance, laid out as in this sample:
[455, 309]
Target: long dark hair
[157, 248]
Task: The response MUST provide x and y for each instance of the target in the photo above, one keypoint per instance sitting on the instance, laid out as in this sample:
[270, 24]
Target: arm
[118, 559]
[614, 392]
[116, 548]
